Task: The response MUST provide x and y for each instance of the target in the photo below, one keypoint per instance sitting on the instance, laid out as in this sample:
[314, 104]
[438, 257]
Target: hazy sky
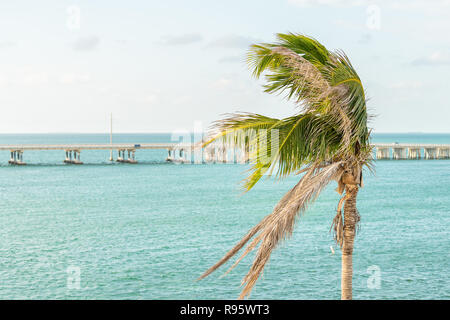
[160, 66]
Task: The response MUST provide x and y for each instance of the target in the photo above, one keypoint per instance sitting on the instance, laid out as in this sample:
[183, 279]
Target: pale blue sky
[163, 65]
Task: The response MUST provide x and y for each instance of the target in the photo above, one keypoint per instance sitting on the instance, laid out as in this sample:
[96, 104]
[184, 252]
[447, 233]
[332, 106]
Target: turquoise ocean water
[147, 231]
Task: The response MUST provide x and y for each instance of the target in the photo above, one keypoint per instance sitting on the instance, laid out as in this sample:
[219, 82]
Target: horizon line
[170, 132]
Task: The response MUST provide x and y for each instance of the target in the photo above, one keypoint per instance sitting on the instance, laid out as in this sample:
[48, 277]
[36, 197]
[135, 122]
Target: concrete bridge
[125, 151]
[177, 152]
[405, 151]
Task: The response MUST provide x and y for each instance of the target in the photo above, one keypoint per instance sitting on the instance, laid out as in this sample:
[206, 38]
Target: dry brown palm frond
[251, 233]
[280, 206]
[317, 90]
[306, 76]
[282, 224]
[338, 224]
[279, 225]
[338, 109]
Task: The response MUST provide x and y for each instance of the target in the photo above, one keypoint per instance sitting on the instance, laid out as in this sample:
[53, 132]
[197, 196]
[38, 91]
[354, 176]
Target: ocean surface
[118, 231]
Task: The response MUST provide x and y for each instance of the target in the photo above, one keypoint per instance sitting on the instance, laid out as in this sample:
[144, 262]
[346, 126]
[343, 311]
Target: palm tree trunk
[350, 220]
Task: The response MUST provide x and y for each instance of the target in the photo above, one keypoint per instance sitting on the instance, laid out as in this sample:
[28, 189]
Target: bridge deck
[115, 146]
[409, 145]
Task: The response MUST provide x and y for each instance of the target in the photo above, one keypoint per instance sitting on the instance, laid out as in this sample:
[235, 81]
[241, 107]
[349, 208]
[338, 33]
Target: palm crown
[327, 139]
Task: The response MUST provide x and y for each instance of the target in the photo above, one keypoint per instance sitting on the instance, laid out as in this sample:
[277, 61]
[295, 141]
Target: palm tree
[327, 139]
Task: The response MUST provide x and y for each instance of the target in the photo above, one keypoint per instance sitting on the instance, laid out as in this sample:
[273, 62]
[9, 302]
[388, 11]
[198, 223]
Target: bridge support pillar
[224, 155]
[169, 155]
[126, 156]
[206, 155]
[219, 154]
[73, 157]
[431, 153]
[399, 153]
[443, 153]
[120, 155]
[176, 155]
[414, 153]
[210, 154]
[16, 157]
[382, 153]
[240, 156]
[213, 154]
[131, 156]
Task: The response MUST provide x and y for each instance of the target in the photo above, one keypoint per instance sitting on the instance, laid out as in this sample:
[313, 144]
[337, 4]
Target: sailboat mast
[110, 141]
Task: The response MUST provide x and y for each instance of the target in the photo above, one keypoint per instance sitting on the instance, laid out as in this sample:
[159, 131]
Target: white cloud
[221, 83]
[311, 3]
[365, 38]
[349, 24]
[232, 59]
[7, 44]
[174, 40]
[233, 41]
[182, 100]
[436, 58]
[396, 4]
[4, 80]
[71, 78]
[38, 78]
[148, 99]
[103, 90]
[418, 4]
[406, 85]
[86, 43]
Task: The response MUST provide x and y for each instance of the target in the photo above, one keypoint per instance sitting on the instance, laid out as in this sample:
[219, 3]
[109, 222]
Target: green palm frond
[238, 128]
[333, 120]
[301, 140]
